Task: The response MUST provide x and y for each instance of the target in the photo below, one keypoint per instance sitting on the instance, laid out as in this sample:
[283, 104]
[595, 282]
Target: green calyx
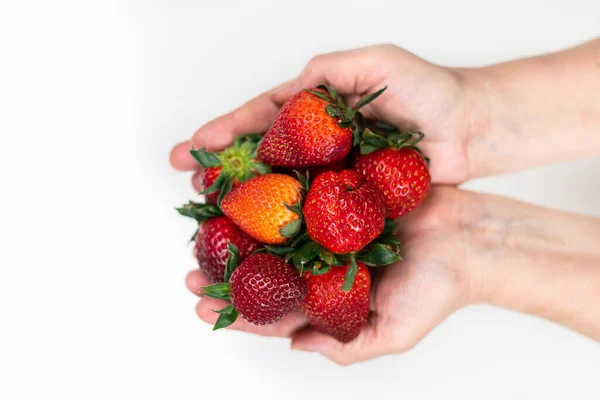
[222, 291]
[384, 135]
[349, 117]
[200, 212]
[238, 162]
[306, 255]
[293, 228]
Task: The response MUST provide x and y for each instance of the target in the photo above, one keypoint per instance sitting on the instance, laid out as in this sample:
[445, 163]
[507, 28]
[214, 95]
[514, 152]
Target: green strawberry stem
[388, 136]
[199, 212]
[349, 117]
[238, 163]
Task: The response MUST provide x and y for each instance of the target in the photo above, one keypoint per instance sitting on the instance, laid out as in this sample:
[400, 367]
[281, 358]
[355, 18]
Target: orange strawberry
[261, 207]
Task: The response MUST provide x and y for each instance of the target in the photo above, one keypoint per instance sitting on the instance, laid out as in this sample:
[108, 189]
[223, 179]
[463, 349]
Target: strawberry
[211, 238]
[223, 171]
[206, 177]
[263, 207]
[331, 310]
[343, 212]
[263, 289]
[211, 246]
[396, 166]
[314, 127]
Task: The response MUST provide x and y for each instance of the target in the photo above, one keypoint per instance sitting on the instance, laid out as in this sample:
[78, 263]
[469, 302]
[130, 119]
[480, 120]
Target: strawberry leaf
[279, 250]
[332, 111]
[217, 184]
[219, 291]
[320, 268]
[227, 316]
[389, 227]
[299, 239]
[193, 238]
[350, 275]
[233, 260]
[226, 188]
[198, 211]
[307, 252]
[367, 99]
[371, 142]
[304, 179]
[345, 123]
[206, 159]
[291, 229]
[320, 95]
[380, 254]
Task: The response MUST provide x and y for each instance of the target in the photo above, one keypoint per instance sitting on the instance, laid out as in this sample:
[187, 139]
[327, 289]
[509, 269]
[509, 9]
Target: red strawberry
[263, 289]
[211, 246]
[334, 311]
[226, 170]
[396, 167]
[206, 177]
[313, 128]
[343, 212]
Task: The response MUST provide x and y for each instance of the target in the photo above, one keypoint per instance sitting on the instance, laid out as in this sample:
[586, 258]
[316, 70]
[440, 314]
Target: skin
[460, 248]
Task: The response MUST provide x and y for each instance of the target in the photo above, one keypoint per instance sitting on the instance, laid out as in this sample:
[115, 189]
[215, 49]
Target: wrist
[490, 121]
[536, 261]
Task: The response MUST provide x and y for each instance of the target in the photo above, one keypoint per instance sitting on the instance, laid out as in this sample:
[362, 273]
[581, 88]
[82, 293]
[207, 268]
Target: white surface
[93, 256]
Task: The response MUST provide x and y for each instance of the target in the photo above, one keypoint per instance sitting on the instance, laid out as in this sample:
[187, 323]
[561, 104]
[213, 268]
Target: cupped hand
[421, 96]
[409, 298]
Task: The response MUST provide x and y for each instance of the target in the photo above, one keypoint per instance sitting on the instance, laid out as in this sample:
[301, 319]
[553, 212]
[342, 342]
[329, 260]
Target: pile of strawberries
[296, 218]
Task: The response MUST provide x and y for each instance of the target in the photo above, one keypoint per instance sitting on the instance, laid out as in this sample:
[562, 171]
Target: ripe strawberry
[226, 170]
[258, 207]
[343, 212]
[395, 165]
[211, 246]
[314, 127]
[206, 177]
[331, 310]
[263, 289]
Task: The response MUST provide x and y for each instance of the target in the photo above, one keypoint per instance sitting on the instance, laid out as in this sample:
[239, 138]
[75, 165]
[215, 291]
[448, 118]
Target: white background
[93, 256]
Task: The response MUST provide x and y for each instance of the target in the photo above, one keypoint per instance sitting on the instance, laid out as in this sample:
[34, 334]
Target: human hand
[420, 96]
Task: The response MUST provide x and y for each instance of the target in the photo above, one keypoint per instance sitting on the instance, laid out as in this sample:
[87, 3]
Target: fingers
[181, 159]
[282, 328]
[196, 182]
[354, 72]
[255, 116]
[195, 280]
[364, 347]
